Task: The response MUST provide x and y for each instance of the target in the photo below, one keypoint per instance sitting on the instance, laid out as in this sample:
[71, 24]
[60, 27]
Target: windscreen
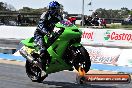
[66, 23]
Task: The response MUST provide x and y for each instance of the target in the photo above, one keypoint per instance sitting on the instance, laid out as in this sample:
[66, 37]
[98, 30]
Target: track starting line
[102, 67]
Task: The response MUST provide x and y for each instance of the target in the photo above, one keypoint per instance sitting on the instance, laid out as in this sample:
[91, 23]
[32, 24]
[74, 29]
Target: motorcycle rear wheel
[82, 59]
[34, 72]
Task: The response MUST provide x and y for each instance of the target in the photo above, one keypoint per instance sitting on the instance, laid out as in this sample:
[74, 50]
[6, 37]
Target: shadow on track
[73, 85]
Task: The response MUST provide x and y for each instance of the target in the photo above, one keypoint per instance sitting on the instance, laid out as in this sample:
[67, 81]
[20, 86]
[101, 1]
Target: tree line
[7, 7]
[121, 13]
[102, 13]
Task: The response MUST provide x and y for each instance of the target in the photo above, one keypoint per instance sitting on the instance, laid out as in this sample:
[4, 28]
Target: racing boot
[43, 61]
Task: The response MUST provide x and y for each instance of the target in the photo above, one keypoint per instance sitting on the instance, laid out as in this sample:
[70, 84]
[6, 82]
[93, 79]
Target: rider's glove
[42, 52]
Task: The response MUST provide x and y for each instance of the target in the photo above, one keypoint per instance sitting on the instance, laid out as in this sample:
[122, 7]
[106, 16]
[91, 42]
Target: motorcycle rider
[46, 25]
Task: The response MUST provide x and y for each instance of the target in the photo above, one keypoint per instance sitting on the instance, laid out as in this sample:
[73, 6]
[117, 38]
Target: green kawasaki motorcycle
[65, 52]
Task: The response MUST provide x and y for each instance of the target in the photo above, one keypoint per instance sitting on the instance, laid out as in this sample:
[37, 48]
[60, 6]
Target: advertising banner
[103, 55]
[107, 37]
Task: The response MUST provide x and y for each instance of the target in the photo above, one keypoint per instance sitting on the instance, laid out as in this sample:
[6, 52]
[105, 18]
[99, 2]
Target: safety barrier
[109, 49]
[109, 46]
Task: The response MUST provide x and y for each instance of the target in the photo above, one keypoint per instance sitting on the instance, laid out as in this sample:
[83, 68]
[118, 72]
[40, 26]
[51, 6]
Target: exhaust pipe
[26, 55]
[30, 58]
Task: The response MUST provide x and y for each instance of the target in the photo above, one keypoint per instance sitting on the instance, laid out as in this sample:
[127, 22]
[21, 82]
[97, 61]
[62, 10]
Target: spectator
[129, 18]
[88, 21]
[33, 22]
[85, 20]
[3, 20]
[103, 23]
[100, 22]
[95, 21]
[19, 19]
[72, 19]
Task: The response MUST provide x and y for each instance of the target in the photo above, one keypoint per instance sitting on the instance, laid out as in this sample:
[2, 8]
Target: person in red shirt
[103, 22]
[72, 19]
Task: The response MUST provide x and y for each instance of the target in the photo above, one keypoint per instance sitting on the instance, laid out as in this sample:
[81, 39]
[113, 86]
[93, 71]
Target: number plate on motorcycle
[28, 50]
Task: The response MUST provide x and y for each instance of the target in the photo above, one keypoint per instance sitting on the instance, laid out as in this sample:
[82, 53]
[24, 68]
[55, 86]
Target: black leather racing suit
[46, 25]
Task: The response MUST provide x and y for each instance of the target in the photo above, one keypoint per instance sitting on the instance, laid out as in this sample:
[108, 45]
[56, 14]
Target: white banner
[125, 58]
[103, 55]
[16, 32]
[107, 37]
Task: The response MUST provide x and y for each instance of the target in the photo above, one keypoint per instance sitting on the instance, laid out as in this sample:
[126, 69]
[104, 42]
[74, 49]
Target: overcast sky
[72, 6]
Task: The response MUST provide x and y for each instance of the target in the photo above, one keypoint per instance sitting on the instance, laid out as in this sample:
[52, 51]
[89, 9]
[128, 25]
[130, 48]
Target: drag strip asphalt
[14, 76]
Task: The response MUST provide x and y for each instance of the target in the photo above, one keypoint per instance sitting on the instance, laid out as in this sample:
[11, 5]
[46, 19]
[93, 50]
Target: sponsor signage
[107, 78]
[107, 37]
[118, 36]
[103, 55]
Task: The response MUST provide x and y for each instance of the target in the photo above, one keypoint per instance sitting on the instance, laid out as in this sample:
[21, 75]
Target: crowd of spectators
[19, 20]
[94, 21]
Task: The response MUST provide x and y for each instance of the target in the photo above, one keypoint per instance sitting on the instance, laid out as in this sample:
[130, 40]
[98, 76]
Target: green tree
[122, 13]
[2, 8]
[31, 10]
[25, 9]
[6, 7]
[130, 12]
